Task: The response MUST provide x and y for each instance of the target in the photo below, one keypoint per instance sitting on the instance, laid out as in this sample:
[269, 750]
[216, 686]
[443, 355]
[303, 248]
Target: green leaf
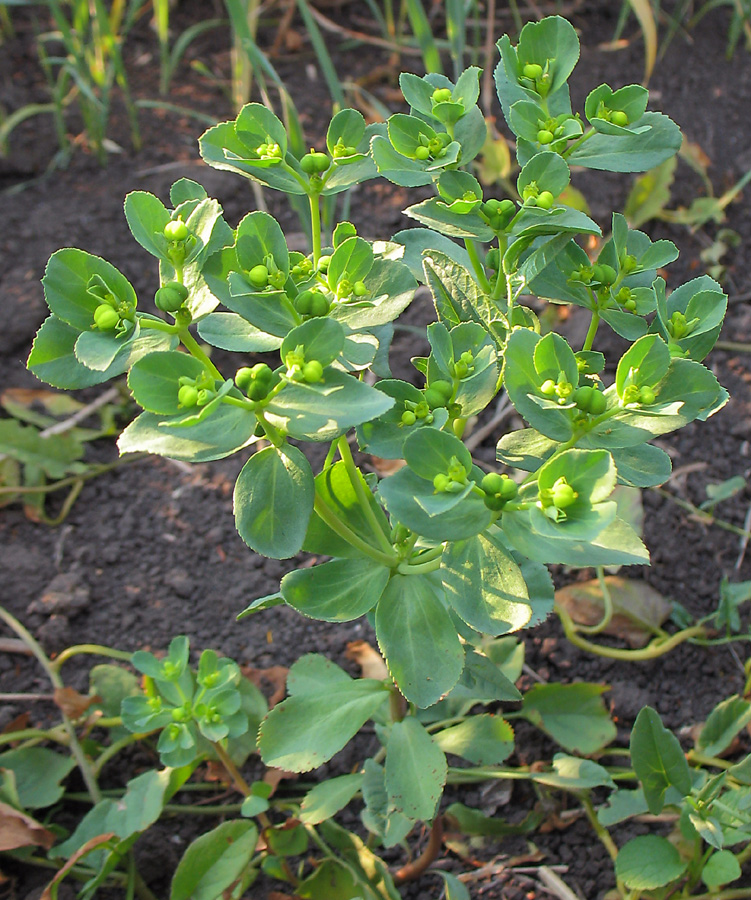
[324, 411]
[154, 380]
[418, 640]
[314, 674]
[327, 798]
[485, 586]
[147, 216]
[724, 722]
[573, 774]
[417, 241]
[658, 759]
[66, 286]
[388, 824]
[336, 490]
[429, 452]
[649, 862]
[632, 152]
[555, 39]
[391, 288]
[273, 501]
[228, 430]
[453, 889]
[337, 591]
[438, 215]
[353, 259]
[38, 775]
[456, 295]
[229, 331]
[306, 730]
[55, 456]
[548, 170]
[214, 862]
[484, 740]
[721, 868]
[572, 714]
[259, 235]
[416, 770]
[322, 339]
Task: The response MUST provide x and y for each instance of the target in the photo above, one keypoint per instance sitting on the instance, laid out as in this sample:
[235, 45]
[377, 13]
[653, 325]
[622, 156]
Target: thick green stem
[658, 647]
[94, 649]
[53, 675]
[602, 833]
[315, 226]
[336, 525]
[607, 607]
[237, 779]
[364, 496]
[195, 349]
[482, 278]
[157, 325]
[593, 325]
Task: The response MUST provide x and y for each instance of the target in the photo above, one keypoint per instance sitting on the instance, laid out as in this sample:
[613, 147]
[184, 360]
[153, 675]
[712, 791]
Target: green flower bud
[408, 417]
[646, 395]
[544, 136]
[630, 305]
[629, 263]
[259, 276]
[532, 70]
[204, 396]
[171, 296]
[618, 117]
[105, 317]
[312, 372]
[442, 95]
[187, 396]
[422, 153]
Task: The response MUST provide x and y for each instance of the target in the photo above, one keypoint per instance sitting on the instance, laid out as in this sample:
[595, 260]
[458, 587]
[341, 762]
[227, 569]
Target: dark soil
[151, 546]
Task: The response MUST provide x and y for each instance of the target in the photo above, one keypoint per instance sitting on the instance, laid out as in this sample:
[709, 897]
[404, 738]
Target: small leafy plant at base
[444, 559]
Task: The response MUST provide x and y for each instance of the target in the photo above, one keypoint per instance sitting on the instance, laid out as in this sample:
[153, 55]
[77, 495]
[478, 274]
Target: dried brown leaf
[82, 851]
[19, 830]
[368, 659]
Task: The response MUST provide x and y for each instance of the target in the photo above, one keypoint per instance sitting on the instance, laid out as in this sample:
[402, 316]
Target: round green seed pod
[244, 378]
[583, 397]
[259, 276]
[532, 70]
[422, 153]
[545, 200]
[646, 395]
[618, 117]
[262, 372]
[563, 495]
[598, 404]
[319, 305]
[187, 396]
[434, 398]
[548, 387]
[445, 388]
[493, 502]
[544, 136]
[359, 289]
[492, 483]
[105, 317]
[176, 230]
[441, 482]
[257, 390]
[442, 95]
[171, 296]
[312, 372]
[303, 302]
[408, 417]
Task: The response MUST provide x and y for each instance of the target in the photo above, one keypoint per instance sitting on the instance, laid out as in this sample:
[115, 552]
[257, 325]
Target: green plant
[442, 558]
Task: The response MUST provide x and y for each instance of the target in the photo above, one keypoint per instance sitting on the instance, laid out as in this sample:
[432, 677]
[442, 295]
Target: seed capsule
[176, 230]
[105, 317]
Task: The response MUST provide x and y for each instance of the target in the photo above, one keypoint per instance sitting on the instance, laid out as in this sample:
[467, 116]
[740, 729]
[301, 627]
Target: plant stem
[363, 494]
[602, 833]
[415, 868]
[655, 648]
[92, 472]
[335, 524]
[592, 331]
[195, 349]
[315, 226]
[607, 607]
[106, 755]
[75, 748]
[708, 518]
[474, 258]
[240, 783]
[94, 649]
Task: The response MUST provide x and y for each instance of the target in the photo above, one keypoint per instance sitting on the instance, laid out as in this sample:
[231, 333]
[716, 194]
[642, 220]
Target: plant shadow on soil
[152, 545]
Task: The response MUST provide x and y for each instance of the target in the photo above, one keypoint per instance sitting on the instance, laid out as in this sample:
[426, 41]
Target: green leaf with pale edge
[658, 759]
[336, 591]
[484, 740]
[273, 501]
[306, 730]
[649, 862]
[724, 722]
[154, 380]
[416, 770]
[632, 152]
[38, 774]
[214, 861]
[572, 714]
[229, 331]
[327, 798]
[418, 639]
[485, 586]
